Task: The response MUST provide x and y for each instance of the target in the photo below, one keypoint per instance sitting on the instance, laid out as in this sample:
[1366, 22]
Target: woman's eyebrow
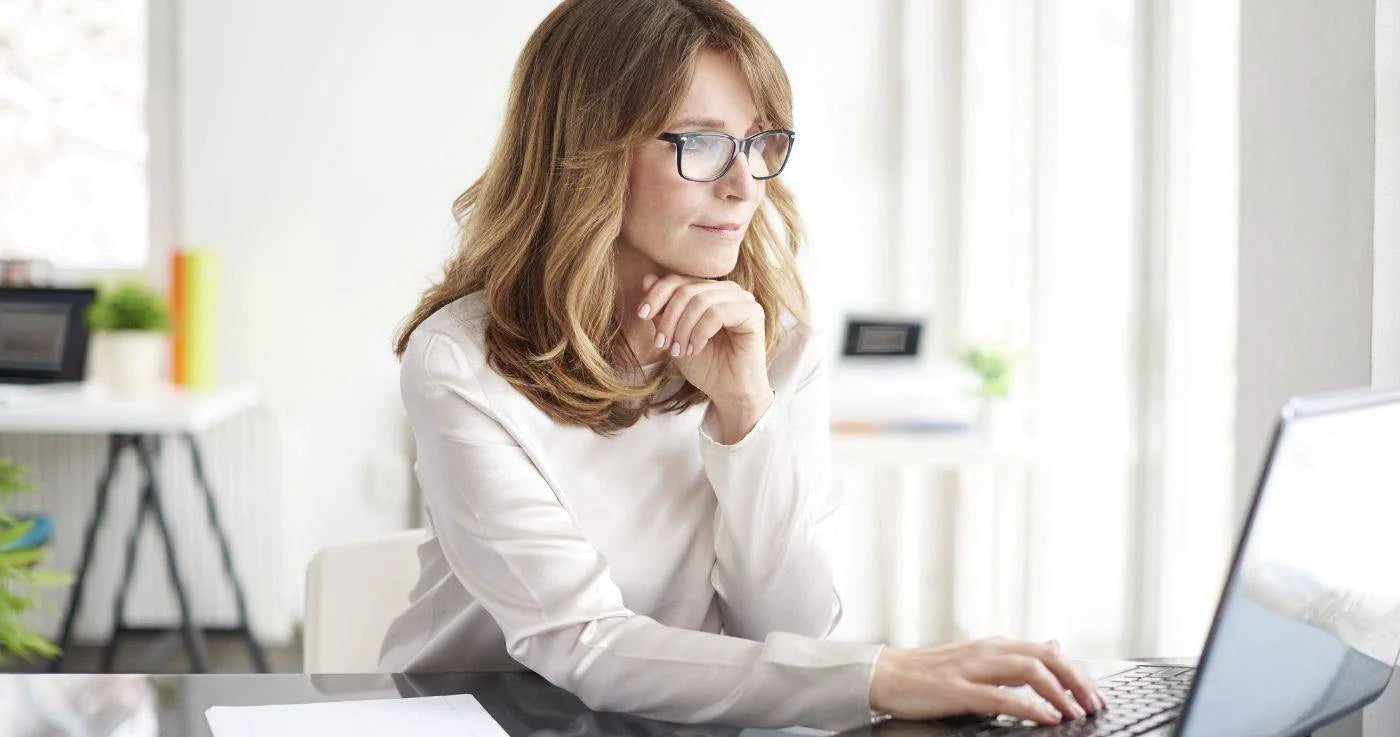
[714, 123]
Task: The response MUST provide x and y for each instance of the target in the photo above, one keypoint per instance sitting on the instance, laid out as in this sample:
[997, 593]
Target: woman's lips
[728, 231]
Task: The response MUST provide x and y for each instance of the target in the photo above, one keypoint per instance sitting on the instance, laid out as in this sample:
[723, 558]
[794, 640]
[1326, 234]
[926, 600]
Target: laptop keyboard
[1139, 700]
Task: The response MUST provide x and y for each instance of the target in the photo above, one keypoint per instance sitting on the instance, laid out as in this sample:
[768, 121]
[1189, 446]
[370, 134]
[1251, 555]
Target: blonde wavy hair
[538, 229]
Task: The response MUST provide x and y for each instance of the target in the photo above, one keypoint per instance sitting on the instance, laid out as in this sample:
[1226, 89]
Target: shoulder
[801, 353]
[448, 386]
[443, 362]
[448, 343]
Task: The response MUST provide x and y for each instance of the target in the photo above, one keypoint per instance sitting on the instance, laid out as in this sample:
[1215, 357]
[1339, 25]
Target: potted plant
[18, 558]
[131, 321]
[994, 368]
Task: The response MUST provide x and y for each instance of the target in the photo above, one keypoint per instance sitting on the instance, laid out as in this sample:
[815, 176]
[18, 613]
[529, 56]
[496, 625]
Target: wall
[320, 146]
[1318, 215]
[1307, 148]
[1385, 326]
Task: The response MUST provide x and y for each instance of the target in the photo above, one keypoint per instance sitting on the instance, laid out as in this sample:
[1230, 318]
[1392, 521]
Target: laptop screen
[1309, 626]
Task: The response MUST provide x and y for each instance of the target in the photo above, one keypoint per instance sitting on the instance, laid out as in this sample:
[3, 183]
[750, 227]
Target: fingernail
[675, 349]
[1053, 713]
[689, 350]
[646, 310]
[660, 340]
[1079, 712]
[1103, 703]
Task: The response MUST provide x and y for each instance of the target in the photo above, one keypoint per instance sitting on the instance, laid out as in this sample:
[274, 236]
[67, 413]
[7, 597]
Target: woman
[621, 411]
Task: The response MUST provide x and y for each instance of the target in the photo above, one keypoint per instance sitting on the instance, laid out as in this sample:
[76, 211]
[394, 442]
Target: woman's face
[666, 216]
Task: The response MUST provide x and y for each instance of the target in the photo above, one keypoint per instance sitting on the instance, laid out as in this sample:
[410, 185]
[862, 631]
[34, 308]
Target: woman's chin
[709, 265]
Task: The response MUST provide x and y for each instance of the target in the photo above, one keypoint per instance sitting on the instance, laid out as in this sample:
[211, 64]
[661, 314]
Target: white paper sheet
[460, 715]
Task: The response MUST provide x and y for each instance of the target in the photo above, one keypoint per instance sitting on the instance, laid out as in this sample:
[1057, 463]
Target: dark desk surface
[524, 704]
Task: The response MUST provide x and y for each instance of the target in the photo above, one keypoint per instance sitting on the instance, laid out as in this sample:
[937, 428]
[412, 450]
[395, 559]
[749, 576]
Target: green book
[200, 303]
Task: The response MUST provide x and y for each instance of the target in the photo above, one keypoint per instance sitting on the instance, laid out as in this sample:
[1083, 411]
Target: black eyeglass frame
[741, 146]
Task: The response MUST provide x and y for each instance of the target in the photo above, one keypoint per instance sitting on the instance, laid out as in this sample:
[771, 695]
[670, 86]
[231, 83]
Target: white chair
[353, 592]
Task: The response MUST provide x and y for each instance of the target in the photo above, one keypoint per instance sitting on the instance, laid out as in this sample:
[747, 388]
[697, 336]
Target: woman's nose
[738, 182]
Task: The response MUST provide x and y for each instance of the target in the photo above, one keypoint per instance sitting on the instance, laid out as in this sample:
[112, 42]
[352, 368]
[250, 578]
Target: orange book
[178, 343]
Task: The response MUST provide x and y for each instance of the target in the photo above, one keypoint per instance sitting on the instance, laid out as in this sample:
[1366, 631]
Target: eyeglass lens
[705, 155]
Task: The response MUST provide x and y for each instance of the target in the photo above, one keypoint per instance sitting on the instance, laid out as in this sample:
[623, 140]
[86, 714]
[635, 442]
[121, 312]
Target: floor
[160, 653]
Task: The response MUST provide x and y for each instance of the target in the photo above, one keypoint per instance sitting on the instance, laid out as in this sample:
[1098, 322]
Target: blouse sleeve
[776, 496]
[518, 551]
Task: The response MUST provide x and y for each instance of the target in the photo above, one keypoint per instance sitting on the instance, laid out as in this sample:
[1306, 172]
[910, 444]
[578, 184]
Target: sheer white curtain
[1063, 184]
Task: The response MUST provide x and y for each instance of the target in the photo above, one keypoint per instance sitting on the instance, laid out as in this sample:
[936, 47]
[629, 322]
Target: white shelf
[944, 450]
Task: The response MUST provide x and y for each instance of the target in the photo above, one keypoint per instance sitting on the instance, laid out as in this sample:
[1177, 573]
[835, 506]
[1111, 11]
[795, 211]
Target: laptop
[1307, 629]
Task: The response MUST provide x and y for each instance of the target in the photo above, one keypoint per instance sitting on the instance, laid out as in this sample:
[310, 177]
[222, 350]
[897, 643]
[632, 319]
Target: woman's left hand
[714, 330]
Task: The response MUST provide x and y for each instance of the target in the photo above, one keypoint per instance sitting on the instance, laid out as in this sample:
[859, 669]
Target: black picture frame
[909, 333]
[73, 363]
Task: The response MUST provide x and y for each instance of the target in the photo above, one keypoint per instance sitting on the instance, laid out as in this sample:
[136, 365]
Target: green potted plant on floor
[129, 321]
[21, 550]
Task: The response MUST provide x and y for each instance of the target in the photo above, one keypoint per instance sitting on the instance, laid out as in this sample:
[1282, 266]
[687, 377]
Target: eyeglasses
[702, 156]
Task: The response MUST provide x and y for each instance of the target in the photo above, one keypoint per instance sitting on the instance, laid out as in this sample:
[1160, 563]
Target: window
[73, 134]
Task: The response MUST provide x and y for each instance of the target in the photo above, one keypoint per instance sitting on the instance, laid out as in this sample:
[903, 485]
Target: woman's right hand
[964, 678]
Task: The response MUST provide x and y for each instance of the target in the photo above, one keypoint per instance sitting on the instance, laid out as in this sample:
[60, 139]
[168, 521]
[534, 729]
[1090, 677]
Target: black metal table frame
[148, 447]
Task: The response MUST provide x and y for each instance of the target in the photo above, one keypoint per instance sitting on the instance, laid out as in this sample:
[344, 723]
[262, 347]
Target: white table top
[88, 409]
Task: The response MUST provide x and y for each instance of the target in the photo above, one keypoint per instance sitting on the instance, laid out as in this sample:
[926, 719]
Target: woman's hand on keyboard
[965, 678]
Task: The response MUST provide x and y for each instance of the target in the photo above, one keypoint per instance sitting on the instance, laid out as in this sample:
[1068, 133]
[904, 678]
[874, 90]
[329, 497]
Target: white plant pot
[997, 419]
[127, 363]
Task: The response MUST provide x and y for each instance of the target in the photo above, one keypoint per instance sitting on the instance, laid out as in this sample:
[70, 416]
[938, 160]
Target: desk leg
[254, 648]
[109, 653]
[194, 641]
[115, 443]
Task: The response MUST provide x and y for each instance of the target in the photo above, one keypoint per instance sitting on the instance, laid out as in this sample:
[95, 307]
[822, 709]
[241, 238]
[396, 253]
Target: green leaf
[21, 604]
[22, 558]
[16, 640]
[13, 532]
[128, 305]
[993, 367]
[14, 603]
[43, 577]
[18, 572]
[24, 644]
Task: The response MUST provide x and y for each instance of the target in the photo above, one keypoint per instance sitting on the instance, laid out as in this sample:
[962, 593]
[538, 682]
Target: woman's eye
[705, 144]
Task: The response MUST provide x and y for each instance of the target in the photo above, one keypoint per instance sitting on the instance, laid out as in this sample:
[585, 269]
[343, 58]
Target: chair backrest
[353, 592]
